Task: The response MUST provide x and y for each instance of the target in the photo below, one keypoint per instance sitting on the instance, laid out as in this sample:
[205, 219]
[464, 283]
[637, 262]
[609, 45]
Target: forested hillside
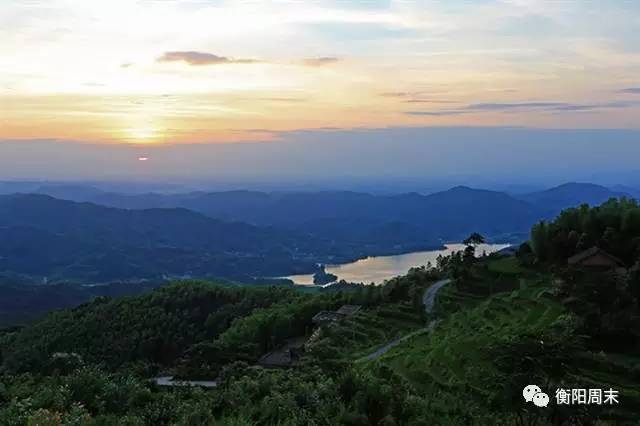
[22, 300]
[552, 201]
[498, 323]
[64, 240]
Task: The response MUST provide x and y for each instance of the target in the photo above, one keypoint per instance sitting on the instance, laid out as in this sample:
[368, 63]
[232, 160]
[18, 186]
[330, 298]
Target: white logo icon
[529, 391]
[541, 399]
[533, 393]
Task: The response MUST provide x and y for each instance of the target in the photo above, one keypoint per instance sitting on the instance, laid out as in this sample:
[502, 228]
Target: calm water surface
[380, 268]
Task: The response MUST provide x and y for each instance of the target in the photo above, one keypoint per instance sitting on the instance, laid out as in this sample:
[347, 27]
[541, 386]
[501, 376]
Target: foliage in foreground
[502, 324]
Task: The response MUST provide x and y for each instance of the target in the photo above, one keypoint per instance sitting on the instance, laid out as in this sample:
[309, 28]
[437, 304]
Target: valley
[479, 326]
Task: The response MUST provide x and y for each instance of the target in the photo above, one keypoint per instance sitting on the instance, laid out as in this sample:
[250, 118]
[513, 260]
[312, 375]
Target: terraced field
[492, 277]
[506, 265]
[453, 354]
[360, 334]
[603, 371]
[454, 360]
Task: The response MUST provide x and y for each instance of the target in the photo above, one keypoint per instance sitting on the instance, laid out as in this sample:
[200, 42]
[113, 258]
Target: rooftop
[348, 309]
[344, 311]
[591, 252]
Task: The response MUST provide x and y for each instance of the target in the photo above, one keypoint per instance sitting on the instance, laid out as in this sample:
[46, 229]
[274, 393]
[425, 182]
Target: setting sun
[142, 135]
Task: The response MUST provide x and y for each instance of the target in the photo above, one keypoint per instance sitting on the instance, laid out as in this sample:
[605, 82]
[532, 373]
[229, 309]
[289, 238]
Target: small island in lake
[322, 277]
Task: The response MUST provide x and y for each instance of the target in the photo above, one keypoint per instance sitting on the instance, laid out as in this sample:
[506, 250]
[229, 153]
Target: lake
[379, 268]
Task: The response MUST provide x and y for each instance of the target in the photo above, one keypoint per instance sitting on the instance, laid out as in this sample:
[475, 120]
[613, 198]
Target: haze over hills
[554, 200]
[305, 209]
[46, 236]
[104, 236]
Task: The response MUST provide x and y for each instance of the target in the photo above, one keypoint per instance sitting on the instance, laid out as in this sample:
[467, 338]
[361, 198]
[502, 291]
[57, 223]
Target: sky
[164, 73]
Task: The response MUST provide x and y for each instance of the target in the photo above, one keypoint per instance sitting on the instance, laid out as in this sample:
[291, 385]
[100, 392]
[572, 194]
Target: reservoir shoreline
[377, 269]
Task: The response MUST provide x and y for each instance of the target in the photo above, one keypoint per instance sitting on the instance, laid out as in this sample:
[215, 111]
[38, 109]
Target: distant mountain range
[554, 200]
[319, 210]
[88, 234]
[45, 236]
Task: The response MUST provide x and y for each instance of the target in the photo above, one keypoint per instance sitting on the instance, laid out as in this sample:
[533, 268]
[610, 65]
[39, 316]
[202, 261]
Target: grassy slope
[365, 332]
[450, 354]
[451, 360]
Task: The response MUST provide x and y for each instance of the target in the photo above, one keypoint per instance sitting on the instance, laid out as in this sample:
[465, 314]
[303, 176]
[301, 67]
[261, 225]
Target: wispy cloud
[554, 107]
[604, 105]
[278, 99]
[549, 106]
[429, 101]
[320, 62]
[438, 113]
[283, 99]
[514, 105]
[632, 90]
[196, 58]
[415, 98]
[201, 58]
[402, 94]
[394, 94]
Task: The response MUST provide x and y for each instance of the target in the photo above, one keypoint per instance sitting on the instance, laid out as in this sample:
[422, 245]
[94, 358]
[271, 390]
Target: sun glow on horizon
[221, 71]
[142, 135]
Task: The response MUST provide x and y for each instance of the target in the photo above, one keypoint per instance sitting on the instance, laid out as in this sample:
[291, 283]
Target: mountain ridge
[251, 233]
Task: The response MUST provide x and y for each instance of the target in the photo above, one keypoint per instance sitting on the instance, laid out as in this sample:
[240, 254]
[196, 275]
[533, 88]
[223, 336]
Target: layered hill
[50, 237]
[359, 217]
[311, 210]
[553, 200]
[103, 236]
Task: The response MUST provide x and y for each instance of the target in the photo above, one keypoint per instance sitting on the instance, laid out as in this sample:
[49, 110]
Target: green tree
[474, 239]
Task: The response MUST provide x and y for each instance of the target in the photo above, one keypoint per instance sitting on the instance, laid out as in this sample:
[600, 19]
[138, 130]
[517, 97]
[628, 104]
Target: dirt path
[428, 300]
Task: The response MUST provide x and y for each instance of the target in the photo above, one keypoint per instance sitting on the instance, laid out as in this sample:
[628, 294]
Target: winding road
[428, 300]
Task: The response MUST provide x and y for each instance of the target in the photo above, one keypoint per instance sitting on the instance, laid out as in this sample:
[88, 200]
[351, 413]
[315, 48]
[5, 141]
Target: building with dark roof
[331, 316]
[348, 309]
[287, 355]
[595, 257]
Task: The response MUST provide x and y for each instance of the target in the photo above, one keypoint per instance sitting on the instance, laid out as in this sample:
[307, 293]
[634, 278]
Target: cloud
[632, 90]
[396, 94]
[322, 61]
[201, 58]
[589, 107]
[438, 113]
[196, 58]
[415, 98]
[553, 107]
[283, 99]
[126, 65]
[514, 105]
[429, 101]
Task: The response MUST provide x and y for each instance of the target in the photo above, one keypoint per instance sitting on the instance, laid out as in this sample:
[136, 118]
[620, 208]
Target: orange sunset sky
[146, 72]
